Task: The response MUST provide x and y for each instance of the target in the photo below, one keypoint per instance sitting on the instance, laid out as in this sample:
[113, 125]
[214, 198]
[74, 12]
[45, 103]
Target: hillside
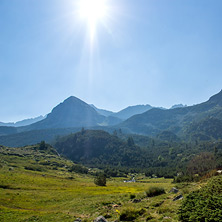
[99, 148]
[209, 128]
[175, 120]
[37, 184]
[35, 136]
[131, 111]
[7, 130]
[102, 111]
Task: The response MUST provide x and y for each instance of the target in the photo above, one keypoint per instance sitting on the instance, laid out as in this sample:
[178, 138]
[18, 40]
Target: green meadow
[37, 186]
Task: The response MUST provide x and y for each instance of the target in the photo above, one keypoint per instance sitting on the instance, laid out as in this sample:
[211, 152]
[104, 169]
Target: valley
[36, 185]
[49, 169]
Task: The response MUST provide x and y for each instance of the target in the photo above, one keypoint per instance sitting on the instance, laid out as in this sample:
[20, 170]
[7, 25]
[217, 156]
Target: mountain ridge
[156, 120]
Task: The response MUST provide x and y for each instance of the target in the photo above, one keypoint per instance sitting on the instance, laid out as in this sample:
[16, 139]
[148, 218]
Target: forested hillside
[163, 158]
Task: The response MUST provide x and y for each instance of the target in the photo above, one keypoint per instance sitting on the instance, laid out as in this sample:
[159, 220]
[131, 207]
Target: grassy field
[36, 186]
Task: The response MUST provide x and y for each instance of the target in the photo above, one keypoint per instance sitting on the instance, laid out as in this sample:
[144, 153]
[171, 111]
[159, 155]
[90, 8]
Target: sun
[93, 12]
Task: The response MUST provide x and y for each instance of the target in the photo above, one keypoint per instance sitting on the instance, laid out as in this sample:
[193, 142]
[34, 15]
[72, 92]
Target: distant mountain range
[24, 122]
[178, 106]
[177, 120]
[125, 113]
[202, 121]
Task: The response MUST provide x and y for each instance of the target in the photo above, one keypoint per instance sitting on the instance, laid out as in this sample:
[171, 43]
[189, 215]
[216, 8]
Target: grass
[59, 195]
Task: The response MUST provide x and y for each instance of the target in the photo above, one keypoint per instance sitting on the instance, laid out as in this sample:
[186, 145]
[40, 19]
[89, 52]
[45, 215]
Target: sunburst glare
[93, 12]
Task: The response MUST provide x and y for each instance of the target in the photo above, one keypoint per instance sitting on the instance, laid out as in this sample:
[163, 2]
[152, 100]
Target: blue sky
[157, 52]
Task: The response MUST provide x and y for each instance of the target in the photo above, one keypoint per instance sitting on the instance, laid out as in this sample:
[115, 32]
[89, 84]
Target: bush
[132, 196]
[130, 214]
[154, 191]
[100, 180]
[203, 204]
[78, 169]
[184, 178]
[34, 168]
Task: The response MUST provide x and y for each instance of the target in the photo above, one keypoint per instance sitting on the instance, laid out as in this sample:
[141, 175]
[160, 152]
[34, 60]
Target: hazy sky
[157, 52]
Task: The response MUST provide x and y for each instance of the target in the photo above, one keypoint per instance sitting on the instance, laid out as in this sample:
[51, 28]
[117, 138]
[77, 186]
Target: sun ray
[93, 12]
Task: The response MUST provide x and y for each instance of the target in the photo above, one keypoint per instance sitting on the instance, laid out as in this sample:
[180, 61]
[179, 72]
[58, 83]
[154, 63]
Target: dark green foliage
[209, 128]
[203, 204]
[168, 136]
[154, 191]
[4, 186]
[34, 168]
[130, 141]
[201, 164]
[184, 178]
[149, 217]
[99, 148]
[116, 171]
[100, 180]
[132, 196]
[43, 146]
[130, 214]
[117, 157]
[78, 169]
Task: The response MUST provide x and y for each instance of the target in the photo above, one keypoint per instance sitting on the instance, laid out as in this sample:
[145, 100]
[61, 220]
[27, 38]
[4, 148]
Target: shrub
[34, 168]
[100, 180]
[4, 186]
[203, 204]
[184, 178]
[149, 217]
[132, 196]
[154, 191]
[130, 214]
[78, 169]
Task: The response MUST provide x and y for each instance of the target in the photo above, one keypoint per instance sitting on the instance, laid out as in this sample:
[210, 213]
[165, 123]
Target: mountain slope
[102, 111]
[131, 111]
[73, 112]
[209, 128]
[97, 147]
[7, 130]
[154, 121]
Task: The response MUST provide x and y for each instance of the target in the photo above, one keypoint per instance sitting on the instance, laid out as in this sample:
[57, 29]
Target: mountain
[175, 120]
[125, 113]
[178, 106]
[131, 111]
[17, 139]
[73, 112]
[24, 122]
[168, 136]
[201, 122]
[7, 130]
[102, 111]
[208, 128]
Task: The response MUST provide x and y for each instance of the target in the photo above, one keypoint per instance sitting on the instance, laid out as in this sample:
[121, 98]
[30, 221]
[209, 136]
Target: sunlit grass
[55, 194]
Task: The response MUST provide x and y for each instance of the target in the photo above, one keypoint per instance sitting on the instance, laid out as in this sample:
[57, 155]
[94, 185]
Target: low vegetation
[37, 184]
[100, 180]
[57, 193]
[154, 191]
[203, 204]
